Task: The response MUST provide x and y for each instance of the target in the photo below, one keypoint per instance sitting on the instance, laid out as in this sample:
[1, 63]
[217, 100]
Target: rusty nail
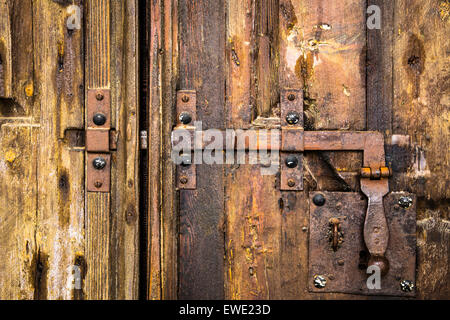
[320, 281]
[406, 285]
[291, 97]
[183, 180]
[98, 184]
[185, 99]
[291, 183]
[319, 200]
[99, 96]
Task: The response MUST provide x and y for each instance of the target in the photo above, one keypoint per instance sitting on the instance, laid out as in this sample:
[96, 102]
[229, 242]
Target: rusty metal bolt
[183, 180]
[98, 184]
[291, 183]
[185, 99]
[406, 286]
[99, 119]
[405, 202]
[291, 97]
[99, 163]
[319, 200]
[292, 118]
[291, 161]
[320, 282]
[99, 96]
[185, 118]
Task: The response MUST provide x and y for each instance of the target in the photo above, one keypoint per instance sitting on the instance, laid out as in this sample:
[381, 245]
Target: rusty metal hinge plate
[345, 270]
[99, 140]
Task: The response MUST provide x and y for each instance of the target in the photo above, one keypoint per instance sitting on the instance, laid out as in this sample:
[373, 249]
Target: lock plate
[345, 270]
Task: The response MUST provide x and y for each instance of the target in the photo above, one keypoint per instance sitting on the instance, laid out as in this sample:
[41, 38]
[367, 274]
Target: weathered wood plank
[18, 158]
[201, 211]
[58, 106]
[422, 133]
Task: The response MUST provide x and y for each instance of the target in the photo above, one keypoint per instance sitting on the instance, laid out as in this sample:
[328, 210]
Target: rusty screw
[291, 161]
[405, 202]
[291, 183]
[98, 184]
[320, 282]
[185, 99]
[291, 97]
[185, 118]
[292, 118]
[99, 96]
[319, 200]
[99, 163]
[406, 285]
[183, 180]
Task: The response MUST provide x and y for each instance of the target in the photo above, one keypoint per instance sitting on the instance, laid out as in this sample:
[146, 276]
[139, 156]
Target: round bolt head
[99, 119]
[320, 282]
[185, 99]
[405, 202]
[291, 161]
[291, 97]
[183, 180]
[98, 184]
[319, 200]
[185, 160]
[99, 96]
[291, 183]
[406, 285]
[185, 118]
[292, 118]
[99, 163]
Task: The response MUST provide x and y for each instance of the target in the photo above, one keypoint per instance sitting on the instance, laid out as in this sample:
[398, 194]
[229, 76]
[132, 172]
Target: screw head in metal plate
[291, 183]
[320, 282]
[405, 202]
[186, 160]
[99, 163]
[99, 119]
[291, 97]
[185, 118]
[406, 285]
[292, 118]
[291, 161]
[99, 96]
[183, 180]
[319, 200]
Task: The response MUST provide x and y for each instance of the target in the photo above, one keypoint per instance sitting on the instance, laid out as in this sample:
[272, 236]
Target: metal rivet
[183, 180]
[185, 99]
[405, 202]
[320, 282]
[319, 200]
[291, 97]
[99, 163]
[291, 183]
[304, 229]
[99, 96]
[291, 161]
[98, 184]
[292, 118]
[185, 118]
[406, 285]
[99, 119]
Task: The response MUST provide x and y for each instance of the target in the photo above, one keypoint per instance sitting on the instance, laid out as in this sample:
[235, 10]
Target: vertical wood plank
[202, 57]
[98, 239]
[18, 158]
[58, 106]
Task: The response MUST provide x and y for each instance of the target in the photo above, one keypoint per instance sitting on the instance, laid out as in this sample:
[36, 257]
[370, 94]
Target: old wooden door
[235, 235]
[239, 236]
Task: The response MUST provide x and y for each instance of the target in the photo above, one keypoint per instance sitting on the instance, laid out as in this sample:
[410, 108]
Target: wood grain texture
[422, 133]
[202, 60]
[58, 105]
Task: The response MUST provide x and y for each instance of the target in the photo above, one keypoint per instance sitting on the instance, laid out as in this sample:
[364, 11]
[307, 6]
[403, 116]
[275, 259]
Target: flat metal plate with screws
[344, 269]
[98, 172]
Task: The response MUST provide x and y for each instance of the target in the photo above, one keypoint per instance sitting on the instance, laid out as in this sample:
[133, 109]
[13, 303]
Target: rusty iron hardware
[345, 269]
[100, 140]
[186, 115]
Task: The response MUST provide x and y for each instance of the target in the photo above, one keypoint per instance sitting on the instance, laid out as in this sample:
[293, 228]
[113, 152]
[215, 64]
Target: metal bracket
[99, 140]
